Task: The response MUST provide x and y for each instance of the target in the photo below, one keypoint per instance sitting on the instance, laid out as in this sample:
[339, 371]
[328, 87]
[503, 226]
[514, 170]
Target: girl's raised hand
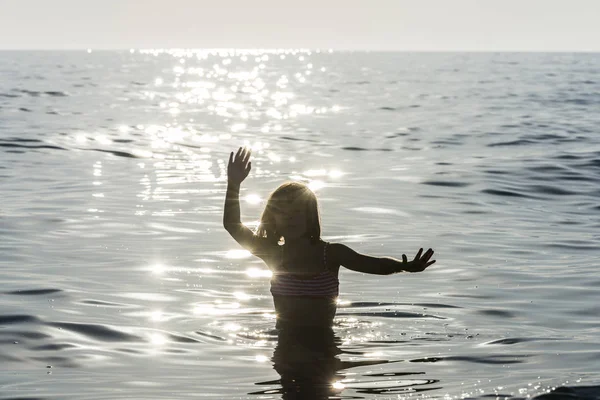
[239, 167]
[420, 262]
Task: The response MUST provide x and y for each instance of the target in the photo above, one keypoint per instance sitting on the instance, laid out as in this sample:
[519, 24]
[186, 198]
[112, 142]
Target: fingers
[247, 153]
[427, 255]
[422, 260]
[230, 158]
[418, 256]
[243, 155]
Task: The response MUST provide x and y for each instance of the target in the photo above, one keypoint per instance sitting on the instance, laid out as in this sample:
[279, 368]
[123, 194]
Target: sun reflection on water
[241, 296]
[238, 254]
[216, 309]
[157, 339]
[258, 273]
[261, 358]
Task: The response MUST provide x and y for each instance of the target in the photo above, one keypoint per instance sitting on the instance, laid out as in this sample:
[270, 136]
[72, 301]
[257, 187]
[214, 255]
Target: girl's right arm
[345, 256]
[237, 170]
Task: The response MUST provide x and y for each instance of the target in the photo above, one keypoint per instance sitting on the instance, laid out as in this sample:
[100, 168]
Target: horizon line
[301, 49]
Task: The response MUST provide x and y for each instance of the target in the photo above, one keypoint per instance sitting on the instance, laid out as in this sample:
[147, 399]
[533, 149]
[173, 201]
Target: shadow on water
[309, 363]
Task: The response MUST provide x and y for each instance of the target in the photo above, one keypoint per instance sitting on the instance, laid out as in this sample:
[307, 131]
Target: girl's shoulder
[263, 248]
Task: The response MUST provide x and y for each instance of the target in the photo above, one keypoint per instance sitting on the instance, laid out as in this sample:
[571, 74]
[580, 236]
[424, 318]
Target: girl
[305, 268]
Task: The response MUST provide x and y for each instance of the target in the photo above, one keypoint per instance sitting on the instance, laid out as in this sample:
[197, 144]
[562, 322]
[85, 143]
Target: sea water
[117, 279]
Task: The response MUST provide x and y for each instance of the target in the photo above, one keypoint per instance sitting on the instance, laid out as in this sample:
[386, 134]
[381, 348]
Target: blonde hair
[291, 190]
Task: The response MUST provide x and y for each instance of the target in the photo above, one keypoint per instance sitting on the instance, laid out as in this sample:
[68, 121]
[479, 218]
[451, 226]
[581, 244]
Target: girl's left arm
[237, 170]
[345, 256]
[233, 224]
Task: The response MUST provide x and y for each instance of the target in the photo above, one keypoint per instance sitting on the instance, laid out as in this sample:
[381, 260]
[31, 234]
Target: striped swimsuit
[324, 284]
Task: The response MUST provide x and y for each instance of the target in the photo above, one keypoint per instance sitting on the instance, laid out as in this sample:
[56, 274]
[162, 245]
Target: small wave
[449, 142]
[574, 245]
[390, 314]
[572, 176]
[183, 339]
[547, 168]
[56, 93]
[492, 359]
[398, 134]
[553, 190]
[353, 148]
[32, 93]
[393, 387]
[116, 153]
[435, 305]
[593, 163]
[105, 304]
[547, 136]
[395, 374]
[54, 347]
[446, 183]
[366, 304]
[35, 93]
[509, 341]
[31, 147]
[15, 139]
[520, 142]
[496, 172]
[211, 336]
[297, 139]
[506, 193]
[99, 332]
[497, 313]
[25, 334]
[62, 362]
[16, 319]
[578, 102]
[34, 292]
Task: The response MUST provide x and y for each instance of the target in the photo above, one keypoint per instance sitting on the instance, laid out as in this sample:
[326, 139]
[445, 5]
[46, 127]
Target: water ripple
[97, 332]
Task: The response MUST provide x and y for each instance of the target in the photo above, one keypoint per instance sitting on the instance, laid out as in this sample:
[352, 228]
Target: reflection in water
[307, 359]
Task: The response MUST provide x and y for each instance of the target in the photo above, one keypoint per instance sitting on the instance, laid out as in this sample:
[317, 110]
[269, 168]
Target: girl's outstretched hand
[239, 167]
[420, 262]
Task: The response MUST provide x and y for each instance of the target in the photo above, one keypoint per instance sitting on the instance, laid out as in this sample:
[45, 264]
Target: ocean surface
[117, 280]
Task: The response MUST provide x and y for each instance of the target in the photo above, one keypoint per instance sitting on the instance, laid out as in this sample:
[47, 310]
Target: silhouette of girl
[305, 268]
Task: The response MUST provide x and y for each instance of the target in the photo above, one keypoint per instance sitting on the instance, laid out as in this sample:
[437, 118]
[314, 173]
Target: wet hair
[281, 198]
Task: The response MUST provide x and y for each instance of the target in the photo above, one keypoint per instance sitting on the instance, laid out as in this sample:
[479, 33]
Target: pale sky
[417, 25]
